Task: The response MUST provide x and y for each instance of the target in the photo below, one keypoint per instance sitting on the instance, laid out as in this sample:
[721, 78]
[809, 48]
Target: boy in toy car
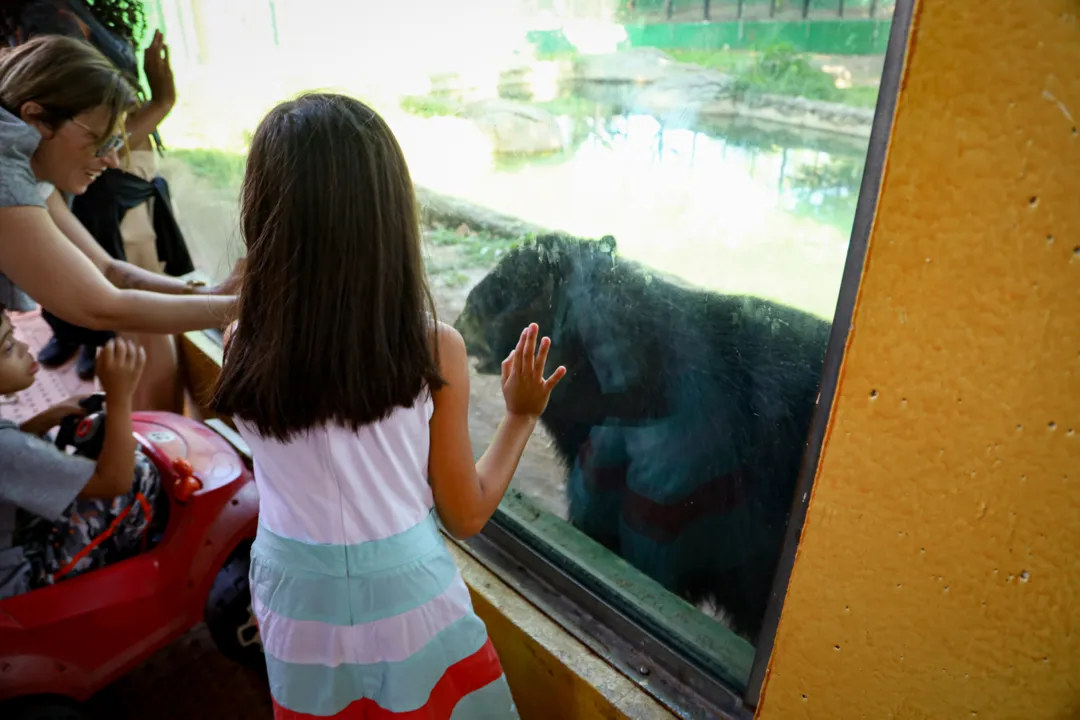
[60, 514]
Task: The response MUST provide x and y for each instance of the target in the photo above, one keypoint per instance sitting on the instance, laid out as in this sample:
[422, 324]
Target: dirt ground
[186, 680]
[540, 474]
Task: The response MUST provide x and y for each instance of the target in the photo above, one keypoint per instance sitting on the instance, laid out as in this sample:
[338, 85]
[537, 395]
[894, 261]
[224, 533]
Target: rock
[815, 114]
[686, 88]
[449, 84]
[516, 83]
[638, 65]
[439, 209]
[517, 128]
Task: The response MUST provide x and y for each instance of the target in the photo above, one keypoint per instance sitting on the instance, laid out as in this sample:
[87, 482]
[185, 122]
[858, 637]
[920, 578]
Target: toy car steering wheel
[86, 434]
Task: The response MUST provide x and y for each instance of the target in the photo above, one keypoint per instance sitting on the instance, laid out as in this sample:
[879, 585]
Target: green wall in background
[827, 37]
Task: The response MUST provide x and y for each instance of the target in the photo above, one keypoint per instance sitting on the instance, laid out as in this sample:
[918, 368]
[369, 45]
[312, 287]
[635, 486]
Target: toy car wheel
[228, 612]
[43, 709]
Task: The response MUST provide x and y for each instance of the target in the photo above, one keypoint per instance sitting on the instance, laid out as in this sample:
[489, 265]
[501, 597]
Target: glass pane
[705, 176]
[205, 135]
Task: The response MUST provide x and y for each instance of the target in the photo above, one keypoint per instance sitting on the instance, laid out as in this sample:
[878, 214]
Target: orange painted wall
[938, 574]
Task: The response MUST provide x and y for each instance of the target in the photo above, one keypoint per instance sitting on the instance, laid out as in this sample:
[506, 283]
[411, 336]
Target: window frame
[865, 212]
[644, 657]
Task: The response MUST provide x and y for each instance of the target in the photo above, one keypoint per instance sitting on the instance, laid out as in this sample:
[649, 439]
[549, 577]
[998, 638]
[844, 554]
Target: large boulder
[517, 128]
[686, 88]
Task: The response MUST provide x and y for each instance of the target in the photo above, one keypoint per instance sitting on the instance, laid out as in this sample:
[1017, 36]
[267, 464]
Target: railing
[719, 10]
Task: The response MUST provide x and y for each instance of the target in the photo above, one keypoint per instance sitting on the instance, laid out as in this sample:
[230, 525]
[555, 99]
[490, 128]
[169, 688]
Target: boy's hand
[525, 390]
[46, 420]
[119, 366]
[67, 408]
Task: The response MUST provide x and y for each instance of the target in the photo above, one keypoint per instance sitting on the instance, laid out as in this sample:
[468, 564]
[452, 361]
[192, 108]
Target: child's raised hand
[525, 390]
[159, 74]
[119, 366]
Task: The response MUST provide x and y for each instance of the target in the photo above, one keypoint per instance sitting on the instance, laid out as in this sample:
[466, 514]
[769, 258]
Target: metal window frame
[865, 211]
[642, 656]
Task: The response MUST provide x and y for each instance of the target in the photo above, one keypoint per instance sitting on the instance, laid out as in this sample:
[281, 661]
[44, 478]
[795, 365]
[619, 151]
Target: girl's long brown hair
[335, 315]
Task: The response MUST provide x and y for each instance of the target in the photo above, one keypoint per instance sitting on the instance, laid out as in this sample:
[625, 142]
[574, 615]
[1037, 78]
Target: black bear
[682, 418]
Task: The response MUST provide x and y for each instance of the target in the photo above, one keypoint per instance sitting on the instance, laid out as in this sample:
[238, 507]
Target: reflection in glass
[674, 214]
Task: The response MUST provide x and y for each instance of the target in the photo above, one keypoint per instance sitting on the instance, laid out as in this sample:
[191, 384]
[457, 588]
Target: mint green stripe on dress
[343, 560]
[396, 686]
[301, 582]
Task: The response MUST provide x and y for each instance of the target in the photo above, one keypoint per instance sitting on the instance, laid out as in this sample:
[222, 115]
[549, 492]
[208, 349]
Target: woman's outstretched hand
[525, 390]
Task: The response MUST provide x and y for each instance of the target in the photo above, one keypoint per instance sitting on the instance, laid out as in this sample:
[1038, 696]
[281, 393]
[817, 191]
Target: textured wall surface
[939, 569]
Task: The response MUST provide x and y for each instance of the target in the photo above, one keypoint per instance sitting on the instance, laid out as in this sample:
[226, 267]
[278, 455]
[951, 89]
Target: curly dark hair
[126, 18]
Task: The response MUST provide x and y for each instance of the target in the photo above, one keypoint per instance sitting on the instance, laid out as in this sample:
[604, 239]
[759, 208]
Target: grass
[455, 279]
[864, 96]
[429, 106]
[478, 248]
[725, 61]
[219, 168]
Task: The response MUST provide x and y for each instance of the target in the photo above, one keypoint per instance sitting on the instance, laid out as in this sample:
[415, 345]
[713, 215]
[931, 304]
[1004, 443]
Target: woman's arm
[62, 278]
[119, 273]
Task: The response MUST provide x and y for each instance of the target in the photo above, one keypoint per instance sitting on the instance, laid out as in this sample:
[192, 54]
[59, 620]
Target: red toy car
[61, 644]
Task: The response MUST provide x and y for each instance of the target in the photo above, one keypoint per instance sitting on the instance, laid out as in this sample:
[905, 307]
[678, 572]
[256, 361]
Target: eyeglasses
[108, 145]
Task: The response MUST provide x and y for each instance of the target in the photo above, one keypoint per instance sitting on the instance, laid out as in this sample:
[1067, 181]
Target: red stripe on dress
[462, 678]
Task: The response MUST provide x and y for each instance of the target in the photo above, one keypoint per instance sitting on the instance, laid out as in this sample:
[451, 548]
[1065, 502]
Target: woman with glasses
[62, 113]
[128, 210]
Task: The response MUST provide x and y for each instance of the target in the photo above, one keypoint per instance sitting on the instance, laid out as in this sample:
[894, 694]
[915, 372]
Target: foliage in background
[429, 106]
[779, 70]
[126, 18]
[217, 167]
[828, 192]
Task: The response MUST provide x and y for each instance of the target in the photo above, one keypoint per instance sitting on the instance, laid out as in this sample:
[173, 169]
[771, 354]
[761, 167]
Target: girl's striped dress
[362, 611]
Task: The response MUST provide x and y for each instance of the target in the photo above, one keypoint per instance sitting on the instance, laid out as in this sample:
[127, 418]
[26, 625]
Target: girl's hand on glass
[525, 390]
